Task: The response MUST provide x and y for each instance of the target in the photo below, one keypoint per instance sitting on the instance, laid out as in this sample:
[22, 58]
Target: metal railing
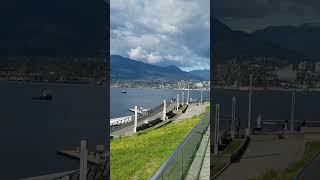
[69, 176]
[179, 162]
[141, 117]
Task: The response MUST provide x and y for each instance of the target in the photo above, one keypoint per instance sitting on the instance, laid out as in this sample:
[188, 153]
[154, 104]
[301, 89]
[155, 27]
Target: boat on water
[45, 95]
[124, 91]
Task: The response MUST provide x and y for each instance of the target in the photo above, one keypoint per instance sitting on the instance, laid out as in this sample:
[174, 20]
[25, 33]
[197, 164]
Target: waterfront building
[317, 67]
[286, 73]
[302, 66]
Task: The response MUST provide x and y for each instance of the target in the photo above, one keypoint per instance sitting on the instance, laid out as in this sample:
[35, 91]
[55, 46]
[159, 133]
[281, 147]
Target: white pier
[121, 120]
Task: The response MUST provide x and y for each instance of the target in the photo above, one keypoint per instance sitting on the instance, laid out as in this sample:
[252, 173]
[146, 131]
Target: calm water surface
[272, 105]
[32, 131]
[148, 98]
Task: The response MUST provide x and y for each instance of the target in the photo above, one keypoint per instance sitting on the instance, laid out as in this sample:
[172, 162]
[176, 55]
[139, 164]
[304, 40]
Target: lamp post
[201, 95]
[83, 160]
[164, 116]
[249, 112]
[188, 98]
[177, 101]
[182, 97]
[233, 119]
[293, 104]
[135, 119]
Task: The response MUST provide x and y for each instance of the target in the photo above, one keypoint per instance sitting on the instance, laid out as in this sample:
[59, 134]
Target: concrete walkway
[200, 166]
[205, 169]
[193, 110]
[265, 153]
[311, 171]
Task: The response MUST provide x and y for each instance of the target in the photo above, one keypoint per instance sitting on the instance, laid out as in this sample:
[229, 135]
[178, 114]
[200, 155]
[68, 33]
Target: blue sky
[162, 32]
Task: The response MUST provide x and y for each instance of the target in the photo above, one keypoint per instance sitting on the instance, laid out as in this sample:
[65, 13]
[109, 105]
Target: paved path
[311, 171]
[264, 154]
[192, 110]
[205, 169]
[200, 167]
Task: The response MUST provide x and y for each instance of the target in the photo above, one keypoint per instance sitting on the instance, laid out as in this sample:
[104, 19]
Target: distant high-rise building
[317, 67]
[303, 66]
[286, 73]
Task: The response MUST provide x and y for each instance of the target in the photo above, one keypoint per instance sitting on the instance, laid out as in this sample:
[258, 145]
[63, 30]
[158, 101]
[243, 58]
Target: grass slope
[140, 155]
[292, 171]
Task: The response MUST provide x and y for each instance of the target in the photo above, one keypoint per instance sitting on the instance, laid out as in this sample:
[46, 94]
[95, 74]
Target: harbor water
[146, 98]
[32, 131]
[272, 105]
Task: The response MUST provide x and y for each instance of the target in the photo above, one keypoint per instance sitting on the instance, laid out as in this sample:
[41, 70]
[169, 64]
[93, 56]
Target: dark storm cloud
[261, 8]
[53, 27]
[249, 15]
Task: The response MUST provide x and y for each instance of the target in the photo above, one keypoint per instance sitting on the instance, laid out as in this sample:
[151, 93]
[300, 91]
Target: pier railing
[143, 116]
[179, 162]
[153, 111]
[71, 175]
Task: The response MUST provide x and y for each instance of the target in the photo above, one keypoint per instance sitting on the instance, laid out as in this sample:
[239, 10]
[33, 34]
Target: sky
[250, 15]
[162, 32]
[53, 27]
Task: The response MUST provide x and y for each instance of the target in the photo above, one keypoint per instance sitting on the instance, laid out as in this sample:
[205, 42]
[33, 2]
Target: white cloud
[137, 53]
[162, 31]
[141, 54]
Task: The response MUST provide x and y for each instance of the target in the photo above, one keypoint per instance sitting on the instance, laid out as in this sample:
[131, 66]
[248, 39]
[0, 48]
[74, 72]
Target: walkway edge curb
[222, 170]
[233, 159]
[298, 176]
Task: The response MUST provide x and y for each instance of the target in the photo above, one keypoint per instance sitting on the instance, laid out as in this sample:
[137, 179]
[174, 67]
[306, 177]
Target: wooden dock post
[83, 160]
[135, 119]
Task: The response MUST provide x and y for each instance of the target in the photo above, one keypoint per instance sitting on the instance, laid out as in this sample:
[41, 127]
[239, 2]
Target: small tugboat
[45, 95]
[124, 91]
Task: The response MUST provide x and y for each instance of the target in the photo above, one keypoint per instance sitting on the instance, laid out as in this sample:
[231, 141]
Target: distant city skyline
[162, 32]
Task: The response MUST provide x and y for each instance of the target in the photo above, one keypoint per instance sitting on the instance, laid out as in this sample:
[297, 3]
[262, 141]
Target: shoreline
[246, 88]
[97, 83]
[102, 83]
[158, 88]
[243, 88]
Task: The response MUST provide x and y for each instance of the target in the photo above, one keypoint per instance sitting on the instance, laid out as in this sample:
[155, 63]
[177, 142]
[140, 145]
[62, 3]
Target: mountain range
[204, 73]
[304, 39]
[122, 68]
[230, 43]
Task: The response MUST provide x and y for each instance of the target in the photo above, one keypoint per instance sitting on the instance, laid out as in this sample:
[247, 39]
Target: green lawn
[140, 155]
[293, 169]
